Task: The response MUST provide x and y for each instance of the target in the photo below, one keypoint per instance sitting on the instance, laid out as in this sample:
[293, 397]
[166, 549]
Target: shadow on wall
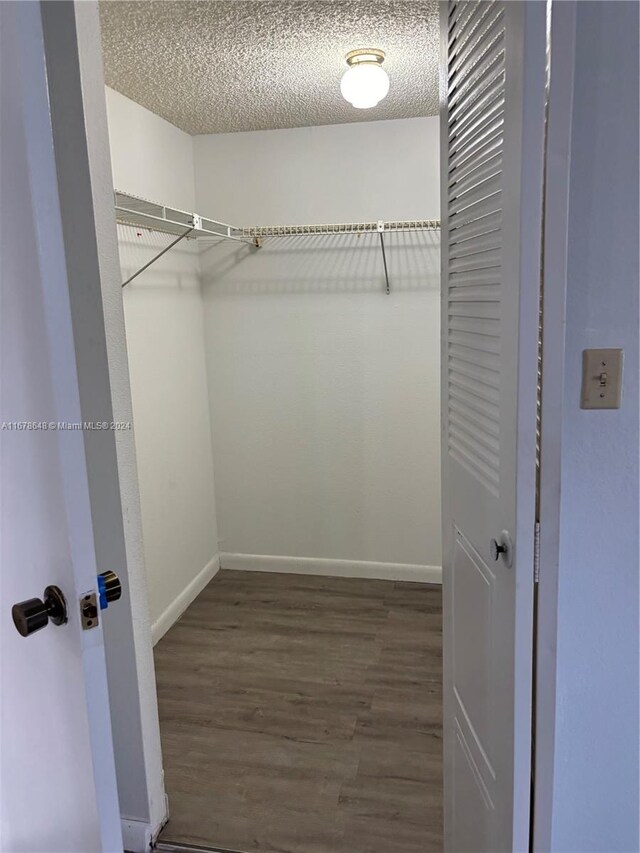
[178, 269]
[325, 264]
[288, 265]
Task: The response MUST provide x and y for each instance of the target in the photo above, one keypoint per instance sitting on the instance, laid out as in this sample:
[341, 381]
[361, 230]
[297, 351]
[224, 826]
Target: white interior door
[57, 776]
[492, 135]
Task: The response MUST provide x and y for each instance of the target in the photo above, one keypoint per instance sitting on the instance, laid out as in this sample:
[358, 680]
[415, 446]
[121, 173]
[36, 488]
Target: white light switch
[601, 378]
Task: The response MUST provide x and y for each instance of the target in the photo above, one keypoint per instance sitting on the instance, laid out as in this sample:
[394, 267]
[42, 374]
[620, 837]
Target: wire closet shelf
[142, 213]
[378, 227]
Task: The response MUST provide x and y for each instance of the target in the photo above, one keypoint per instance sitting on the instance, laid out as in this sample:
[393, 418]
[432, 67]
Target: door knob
[33, 614]
[502, 547]
[497, 548]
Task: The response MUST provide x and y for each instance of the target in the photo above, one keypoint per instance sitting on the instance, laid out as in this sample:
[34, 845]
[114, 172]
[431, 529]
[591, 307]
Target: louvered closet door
[492, 132]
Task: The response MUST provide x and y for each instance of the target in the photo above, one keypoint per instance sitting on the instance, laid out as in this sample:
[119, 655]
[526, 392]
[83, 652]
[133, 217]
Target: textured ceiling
[214, 66]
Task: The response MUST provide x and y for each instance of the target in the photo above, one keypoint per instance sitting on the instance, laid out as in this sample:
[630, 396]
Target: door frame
[73, 43]
[554, 278]
[581, 541]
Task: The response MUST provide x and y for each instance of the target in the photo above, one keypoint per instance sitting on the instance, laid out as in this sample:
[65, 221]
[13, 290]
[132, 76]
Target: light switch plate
[601, 378]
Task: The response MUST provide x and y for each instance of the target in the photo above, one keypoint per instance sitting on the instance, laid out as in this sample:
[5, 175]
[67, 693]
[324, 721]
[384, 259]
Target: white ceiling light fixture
[365, 83]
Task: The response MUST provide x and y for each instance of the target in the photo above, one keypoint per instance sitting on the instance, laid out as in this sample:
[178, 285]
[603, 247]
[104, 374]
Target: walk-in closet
[319, 420]
[280, 261]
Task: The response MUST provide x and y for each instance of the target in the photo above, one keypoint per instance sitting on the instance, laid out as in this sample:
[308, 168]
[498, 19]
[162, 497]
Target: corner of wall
[177, 607]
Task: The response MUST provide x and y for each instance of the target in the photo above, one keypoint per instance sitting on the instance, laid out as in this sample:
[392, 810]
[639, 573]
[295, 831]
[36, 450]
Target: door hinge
[536, 553]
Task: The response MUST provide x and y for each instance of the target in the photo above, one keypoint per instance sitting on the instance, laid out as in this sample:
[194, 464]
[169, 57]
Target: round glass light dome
[365, 83]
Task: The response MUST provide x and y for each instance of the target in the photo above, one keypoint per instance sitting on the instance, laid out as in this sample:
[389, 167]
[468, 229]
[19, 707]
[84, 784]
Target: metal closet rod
[141, 213]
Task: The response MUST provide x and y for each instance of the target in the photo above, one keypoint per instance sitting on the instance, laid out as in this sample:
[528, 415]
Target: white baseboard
[136, 836]
[177, 607]
[332, 568]
[140, 837]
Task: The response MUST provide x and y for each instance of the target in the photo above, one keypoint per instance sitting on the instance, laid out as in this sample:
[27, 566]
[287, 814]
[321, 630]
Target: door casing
[135, 642]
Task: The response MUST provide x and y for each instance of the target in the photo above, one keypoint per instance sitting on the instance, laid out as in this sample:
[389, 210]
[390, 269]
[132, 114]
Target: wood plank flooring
[303, 714]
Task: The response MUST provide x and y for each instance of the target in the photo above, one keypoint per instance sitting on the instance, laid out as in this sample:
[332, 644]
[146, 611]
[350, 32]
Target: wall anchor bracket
[384, 255]
[160, 254]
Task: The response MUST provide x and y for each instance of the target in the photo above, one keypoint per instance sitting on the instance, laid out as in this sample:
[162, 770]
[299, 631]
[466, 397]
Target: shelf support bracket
[159, 255]
[384, 256]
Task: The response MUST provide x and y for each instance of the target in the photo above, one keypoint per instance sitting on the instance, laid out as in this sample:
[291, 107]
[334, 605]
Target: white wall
[325, 391]
[165, 340]
[589, 793]
[148, 154]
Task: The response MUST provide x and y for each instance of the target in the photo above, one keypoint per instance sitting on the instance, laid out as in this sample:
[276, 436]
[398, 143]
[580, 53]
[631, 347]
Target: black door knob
[502, 547]
[496, 548]
[33, 614]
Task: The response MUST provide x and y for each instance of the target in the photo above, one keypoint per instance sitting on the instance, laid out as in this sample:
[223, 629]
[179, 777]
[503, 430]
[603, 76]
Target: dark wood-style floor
[303, 714]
